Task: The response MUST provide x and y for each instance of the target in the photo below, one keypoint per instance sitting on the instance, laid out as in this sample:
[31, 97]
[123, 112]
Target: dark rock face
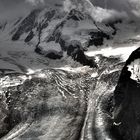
[77, 53]
[75, 15]
[18, 20]
[45, 22]
[54, 55]
[97, 38]
[112, 25]
[29, 23]
[3, 25]
[63, 44]
[33, 26]
[38, 50]
[49, 15]
[0, 27]
[26, 25]
[56, 34]
[127, 104]
[29, 37]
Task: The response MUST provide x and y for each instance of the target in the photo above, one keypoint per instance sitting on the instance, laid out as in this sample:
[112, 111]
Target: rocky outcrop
[51, 25]
[31, 23]
[97, 38]
[26, 25]
[126, 101]
[112, 24]
[76, 51]
[29, 37]
[54, 55]
[75, 15]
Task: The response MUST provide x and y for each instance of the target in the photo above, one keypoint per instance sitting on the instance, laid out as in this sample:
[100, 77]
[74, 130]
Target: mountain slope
[46, 93]
[74, 32]
[126, 106]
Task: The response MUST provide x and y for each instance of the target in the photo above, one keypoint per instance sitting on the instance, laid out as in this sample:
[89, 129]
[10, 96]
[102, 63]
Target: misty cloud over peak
[131, 7]
[100, 10]
[35, 2]
[104, 10]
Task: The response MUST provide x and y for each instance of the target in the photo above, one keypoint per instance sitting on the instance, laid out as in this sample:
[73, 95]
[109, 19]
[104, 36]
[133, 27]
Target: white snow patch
[97, 59]
[10, 82]
[30, 71]
[75, 70]
[134, 68]
[42, 75]
[95, 74]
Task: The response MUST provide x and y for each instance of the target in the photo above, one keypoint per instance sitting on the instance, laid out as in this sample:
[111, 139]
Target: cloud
[99, 12]
[12, 9]
[135, 7]
[104, 10]
[35, 2]
[131, 7]
[68, 5]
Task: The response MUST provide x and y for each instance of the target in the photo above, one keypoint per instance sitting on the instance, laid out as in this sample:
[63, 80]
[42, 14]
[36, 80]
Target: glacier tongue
[122, 52]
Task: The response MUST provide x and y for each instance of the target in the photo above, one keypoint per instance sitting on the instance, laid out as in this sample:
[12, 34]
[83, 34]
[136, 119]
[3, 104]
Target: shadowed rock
[127, 102]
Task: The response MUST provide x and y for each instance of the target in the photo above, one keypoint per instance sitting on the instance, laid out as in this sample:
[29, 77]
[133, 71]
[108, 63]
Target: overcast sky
[14, 8]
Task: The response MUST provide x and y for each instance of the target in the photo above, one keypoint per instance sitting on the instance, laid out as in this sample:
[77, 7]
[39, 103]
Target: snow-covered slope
[48, 37]
[54, 34]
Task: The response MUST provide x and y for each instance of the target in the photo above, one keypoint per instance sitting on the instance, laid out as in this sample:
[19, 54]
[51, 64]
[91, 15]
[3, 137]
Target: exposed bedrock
[126, 111]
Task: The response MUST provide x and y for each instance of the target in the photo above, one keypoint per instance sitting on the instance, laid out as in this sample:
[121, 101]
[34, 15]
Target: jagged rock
[29, 37]
[26, 25]
[33, 29]
[126, 102]
[75, 15]
[97, 38]
[112, 25]
[38, 50]
[76, 51]
[54, 55]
